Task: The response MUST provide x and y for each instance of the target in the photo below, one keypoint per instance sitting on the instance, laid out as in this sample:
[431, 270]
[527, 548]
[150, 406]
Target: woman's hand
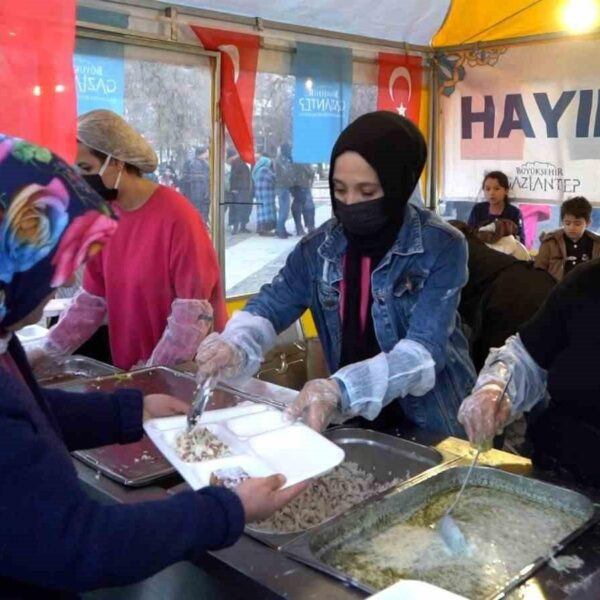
[316, 403]
[261, 496]
[163, 405]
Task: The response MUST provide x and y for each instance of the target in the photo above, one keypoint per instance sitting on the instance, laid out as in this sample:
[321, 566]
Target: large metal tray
[141, 463]
[405, 499]
[386, 456]
[75, 367]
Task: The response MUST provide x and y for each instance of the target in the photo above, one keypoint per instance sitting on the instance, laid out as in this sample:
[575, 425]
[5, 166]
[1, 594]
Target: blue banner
[99, 75]
[321, 100]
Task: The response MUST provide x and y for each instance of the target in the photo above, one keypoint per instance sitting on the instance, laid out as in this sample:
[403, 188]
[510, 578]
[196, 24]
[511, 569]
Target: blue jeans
[303, 206]
[283, 196]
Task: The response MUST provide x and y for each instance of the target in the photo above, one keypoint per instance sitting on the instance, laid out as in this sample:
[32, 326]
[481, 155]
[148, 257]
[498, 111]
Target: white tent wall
[412, 21]
[530, 110]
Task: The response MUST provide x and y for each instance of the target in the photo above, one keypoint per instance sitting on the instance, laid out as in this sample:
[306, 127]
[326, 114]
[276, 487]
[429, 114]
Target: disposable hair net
[107, 132]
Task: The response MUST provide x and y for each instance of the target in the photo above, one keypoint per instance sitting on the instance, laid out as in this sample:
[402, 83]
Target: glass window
[256, 245]
[164, 95]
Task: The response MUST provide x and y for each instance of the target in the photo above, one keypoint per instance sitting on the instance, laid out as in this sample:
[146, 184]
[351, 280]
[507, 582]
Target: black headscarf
[396, 150]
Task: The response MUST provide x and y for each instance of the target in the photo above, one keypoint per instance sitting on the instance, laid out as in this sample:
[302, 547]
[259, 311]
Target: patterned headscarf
[51, 221]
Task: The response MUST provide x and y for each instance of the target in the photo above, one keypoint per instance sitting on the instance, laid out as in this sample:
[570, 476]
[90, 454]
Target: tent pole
[432, 172]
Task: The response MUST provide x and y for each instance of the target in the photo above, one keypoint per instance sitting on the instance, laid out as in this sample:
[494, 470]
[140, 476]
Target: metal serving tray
[386, 456]
[405, 499]
[141, 463]
[75, 367]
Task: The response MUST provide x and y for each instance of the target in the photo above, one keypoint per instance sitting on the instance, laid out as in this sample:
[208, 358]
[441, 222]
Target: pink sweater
[159, 252]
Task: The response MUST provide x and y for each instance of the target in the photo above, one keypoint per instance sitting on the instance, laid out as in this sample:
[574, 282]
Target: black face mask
[362, 218]
[96, 183]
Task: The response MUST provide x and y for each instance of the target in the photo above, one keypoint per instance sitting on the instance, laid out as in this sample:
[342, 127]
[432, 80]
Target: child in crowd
[565, 248]
[497, 205]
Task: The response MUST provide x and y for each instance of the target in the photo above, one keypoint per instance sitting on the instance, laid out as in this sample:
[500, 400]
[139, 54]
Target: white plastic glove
[236, 353]
[317, 403]
[188, 324]
[44, 359]
[217, 357]
[485, 413]
[373, 383]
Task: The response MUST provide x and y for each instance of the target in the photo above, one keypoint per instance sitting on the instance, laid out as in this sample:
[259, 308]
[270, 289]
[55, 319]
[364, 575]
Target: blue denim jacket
[416, 291]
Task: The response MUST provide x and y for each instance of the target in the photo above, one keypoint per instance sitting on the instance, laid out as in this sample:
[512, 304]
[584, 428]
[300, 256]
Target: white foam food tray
[409, 589]
[260, 440]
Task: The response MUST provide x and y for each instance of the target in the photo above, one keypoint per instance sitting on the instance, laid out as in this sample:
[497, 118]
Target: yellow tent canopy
[469, 21]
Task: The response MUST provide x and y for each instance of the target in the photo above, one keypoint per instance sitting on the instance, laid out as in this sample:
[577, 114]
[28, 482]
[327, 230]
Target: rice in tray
[328, 496]
[505, 533]
[199, 445]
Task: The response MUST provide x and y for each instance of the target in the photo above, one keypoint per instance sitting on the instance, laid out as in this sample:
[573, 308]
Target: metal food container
[141, 463]
[75, 367]
[386, 456]
[374, 517]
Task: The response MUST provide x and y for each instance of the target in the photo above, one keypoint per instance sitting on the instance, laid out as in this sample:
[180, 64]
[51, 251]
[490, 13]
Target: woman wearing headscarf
[56, 540]
[263, 178]
[382, 280]
[502, 293]
[157, 280]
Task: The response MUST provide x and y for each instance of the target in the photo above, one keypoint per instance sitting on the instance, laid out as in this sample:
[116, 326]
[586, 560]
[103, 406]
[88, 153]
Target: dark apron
[567, 444]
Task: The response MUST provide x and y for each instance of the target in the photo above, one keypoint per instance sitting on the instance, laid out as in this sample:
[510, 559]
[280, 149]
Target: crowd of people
[419, 319]
[273, 186]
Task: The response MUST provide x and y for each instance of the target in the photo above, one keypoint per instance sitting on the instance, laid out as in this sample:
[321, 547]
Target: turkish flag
[37, 41]
[400, 81]
[239, 61]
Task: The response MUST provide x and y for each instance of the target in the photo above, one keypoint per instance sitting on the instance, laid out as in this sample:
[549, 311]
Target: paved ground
[251, 260]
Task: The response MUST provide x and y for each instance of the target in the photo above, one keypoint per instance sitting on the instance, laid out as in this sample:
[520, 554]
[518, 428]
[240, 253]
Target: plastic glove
[373, 383]
[218, 358]
[77, 324]
[317, 403]
[44, 359]
[485, 413]
[188, 324]
[236, 353]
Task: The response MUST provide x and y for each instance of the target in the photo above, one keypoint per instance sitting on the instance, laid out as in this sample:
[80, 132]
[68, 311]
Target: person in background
[167, 176]
[56, 540]
[157, 280]
[196, 177]
[263, 178]
[241, 195]
[497, 205]
[382, 280]
[284, 180]
[553, 355]
[303, 206]
[229, 154]
[501, 295]
[565, 248]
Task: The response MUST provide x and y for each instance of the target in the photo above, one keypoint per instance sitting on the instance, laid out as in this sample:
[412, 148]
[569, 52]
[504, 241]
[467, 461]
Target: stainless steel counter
[250, 569]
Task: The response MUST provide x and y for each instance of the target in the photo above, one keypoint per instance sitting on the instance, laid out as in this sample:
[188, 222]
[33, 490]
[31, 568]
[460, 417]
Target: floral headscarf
[51, 221]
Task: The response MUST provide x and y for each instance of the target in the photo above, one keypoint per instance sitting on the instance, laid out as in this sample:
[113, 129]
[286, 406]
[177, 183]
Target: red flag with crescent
[239, 61]
[400, 81]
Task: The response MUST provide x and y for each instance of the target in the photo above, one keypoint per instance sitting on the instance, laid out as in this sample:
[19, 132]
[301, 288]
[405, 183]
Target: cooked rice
[328, 496]
[200, 445]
